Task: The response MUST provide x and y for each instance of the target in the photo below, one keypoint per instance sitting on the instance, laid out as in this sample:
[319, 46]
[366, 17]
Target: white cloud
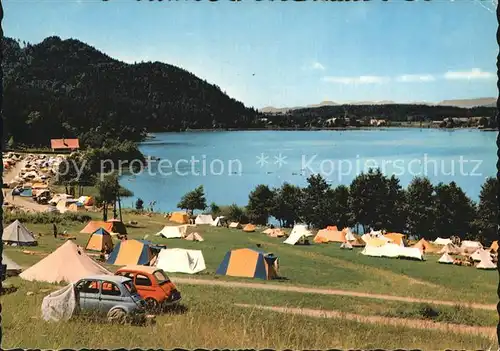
[474, 73]
[357, 80]
[410, 78]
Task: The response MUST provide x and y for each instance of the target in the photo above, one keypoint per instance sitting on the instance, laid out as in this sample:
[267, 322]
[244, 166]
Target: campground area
[325, 297]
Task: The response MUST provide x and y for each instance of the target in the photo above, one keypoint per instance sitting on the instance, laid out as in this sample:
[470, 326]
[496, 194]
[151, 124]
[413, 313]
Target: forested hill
[66, 88]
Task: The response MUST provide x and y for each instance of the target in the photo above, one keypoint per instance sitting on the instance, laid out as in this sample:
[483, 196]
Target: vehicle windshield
[130, 287]
[161, 277]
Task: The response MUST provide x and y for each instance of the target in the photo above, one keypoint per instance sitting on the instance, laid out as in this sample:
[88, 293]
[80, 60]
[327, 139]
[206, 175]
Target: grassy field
[213, 321]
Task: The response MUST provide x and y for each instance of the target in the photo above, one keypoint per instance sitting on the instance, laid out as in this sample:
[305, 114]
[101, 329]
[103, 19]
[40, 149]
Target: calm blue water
[226, 162]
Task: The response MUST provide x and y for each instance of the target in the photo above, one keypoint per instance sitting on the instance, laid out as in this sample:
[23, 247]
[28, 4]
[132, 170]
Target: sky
[284, 54]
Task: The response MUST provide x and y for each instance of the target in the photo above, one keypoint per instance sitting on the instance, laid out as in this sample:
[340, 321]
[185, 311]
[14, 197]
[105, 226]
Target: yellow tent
[325, 235]
[397, 238]
[375, 242]
[249, 228]
[179, 217]
[494, 246]
[423, 245]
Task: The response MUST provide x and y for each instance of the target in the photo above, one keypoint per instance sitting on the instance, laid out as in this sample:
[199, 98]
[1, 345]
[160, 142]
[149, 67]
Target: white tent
[181, 261]
[410, 252]
[471, 244]
[12, 267]
[450, 249]
[447, 259]
[194, 237]
[69, 263]
[235, 225]
[298, 231]
[203, 219]
[17, 233]
[349, 236]
[217, 222]
[486, 264]
[171, 232]
[480, 254]
[346, 245]
[387, 250]
[441, 241]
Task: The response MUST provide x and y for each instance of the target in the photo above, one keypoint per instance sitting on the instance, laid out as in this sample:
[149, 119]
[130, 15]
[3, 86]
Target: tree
[487, 211]
[139, 204]
[454, 212]
[393, 214]
[419, 208]
[260, 204]
[108, 189]
[214, 209]
[236, 213]
[340, 214]
[318, 202]
[193, 200]
[287, 204]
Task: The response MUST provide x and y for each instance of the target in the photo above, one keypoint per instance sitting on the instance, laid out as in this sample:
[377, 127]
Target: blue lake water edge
[230, 164]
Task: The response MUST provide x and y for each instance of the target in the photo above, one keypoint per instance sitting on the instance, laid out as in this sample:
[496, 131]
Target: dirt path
[305, 290]
[17, 200]
[489, 332]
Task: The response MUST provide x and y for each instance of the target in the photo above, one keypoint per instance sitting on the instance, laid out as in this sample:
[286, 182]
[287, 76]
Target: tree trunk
[120, 207]
[114, 208]
[105, 212]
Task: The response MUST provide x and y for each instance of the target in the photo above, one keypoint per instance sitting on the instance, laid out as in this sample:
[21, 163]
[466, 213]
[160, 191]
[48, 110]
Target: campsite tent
[450, 249]
[299, 231]
[100, 240]
[325, 236]
[194, 237]
[374, 242]
[486, 264]
[447, 259]
[480, 254]
[235, 225]
[17, 233]
[441, 241]
[423, 245]
[111, 226]
[68, 263]
[249, 228]
[249, 263]
[12, 267]
[410, 252]
[386, 250]
[396, 238]
[128, 252]
[494, 246]
[172, 232]
[181, 261]
[217, 222]
[276, 233]
[268, 231]
[179, 217]
[204, 219]
[467, 244]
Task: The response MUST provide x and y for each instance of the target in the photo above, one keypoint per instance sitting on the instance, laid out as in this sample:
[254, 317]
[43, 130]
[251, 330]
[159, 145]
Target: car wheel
[152, 305]
[118, 316]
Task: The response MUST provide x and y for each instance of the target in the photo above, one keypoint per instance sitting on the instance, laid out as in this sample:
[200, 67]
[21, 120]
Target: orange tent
[111, 226]
[494, 246]
[276, 233]
[325, 235]
[249, 228]
[397, 238]
[423, 245]
[179, 217]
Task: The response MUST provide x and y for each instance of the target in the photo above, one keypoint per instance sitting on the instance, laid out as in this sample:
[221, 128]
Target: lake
[230, 164]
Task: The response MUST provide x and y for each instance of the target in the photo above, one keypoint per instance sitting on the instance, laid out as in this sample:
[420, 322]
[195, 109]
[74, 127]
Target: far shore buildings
[64, 144]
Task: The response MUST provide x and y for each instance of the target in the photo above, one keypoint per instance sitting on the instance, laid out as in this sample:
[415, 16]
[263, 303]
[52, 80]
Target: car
[111, 295]
[153, 285]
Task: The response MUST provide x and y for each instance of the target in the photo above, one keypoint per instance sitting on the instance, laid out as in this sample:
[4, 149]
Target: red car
[153, 285]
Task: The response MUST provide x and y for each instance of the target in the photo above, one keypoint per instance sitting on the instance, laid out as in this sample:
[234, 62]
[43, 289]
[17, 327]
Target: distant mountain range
[464, 103]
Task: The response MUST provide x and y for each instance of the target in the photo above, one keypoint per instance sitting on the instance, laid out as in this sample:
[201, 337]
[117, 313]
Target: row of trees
[372, 200]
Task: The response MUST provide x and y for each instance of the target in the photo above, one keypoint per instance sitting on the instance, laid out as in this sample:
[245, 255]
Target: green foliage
[215, 210]
[454, 211]
[317, 206]
[287, 204]
[45, 218]
[193, 200]
[419, 208]
[260, 204]
[237, 214]
[139, 204]
[66, 88]
[487, 211]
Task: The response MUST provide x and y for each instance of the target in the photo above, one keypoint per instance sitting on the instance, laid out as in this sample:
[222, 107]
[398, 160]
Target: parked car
[153, 285]
[111, 295]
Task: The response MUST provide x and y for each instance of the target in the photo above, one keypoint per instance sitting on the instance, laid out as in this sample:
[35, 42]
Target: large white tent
[480, 254]
[486, 264]
[181, 261]
[471, 244]
[172, 232]
[69, 263]
[17, 233]
[392, 251]
[204, 219]
[217, 222]
[299, 231]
